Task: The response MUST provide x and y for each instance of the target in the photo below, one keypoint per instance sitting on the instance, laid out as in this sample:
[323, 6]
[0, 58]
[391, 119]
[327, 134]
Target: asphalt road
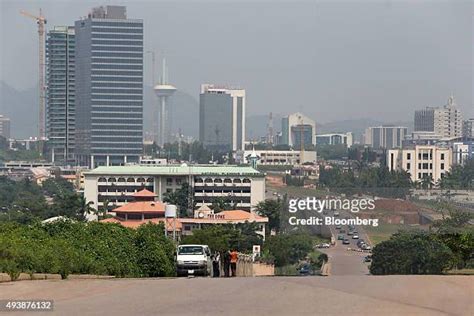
[334, 295]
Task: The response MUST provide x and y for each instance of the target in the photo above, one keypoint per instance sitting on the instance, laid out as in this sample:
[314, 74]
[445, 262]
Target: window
[408, 156]
[169, 181]
[442, 166]
[408, 166]
[442, 156]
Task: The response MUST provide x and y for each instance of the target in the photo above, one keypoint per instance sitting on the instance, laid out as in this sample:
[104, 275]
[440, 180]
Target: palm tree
[427, 182]
[85, 207]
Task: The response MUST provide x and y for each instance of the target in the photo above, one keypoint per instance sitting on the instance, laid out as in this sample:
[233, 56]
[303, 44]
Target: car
[366, 247]
[350, 233]
[336, 213]
[306, 269]
[355, 232]
[355, 237]
[368, 258]
[193, 260]
[342, 231]
[340, 237]
[346, 242]
[351, 227]
[338, 226]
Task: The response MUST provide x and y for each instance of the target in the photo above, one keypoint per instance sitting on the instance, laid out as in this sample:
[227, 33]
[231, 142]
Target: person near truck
[215, 265]
[226, 258]
[234, 256]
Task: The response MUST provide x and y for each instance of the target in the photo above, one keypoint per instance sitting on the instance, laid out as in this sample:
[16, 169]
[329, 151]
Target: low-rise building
[277, 157]
[145, 209]
[242, 186]
[421, 161]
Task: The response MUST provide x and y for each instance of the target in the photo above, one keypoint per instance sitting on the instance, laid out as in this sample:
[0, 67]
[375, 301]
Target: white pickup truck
[193, 260]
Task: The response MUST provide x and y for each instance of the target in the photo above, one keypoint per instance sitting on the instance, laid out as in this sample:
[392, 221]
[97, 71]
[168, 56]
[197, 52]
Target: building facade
[276, 157]
[109, 88]
[335, 139]
[297, 128]
[385, 137]
[5, 127]
[222, 118]
[463, 151]
[60, 94]
[468, 128]
[445, 121]
[421, 161]
[243, 187]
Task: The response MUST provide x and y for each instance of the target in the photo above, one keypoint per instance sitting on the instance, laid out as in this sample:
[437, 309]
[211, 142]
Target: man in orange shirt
[234, 256]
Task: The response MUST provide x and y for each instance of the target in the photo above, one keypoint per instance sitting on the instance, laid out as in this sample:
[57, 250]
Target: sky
[333, 60]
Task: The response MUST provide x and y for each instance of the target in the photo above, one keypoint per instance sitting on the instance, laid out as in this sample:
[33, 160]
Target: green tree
[272, 209]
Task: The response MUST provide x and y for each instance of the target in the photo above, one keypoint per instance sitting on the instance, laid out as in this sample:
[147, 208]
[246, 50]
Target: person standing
[234, 256]
[215, 265]
[226, 263]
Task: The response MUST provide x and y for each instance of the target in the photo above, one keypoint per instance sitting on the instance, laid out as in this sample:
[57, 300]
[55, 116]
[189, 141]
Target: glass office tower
[109, 88]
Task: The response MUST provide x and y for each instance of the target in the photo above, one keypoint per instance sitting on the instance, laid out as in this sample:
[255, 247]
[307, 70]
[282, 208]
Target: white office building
[276, 157]
[385, 137]
[421, 161]
[297, 128]
[240, 186]
[445, 121]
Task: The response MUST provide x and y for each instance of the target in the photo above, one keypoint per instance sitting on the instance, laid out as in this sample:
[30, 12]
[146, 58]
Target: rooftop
[176, 170]
[141, 207]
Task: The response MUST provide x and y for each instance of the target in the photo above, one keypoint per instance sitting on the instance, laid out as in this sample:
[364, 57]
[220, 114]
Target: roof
[136, 223]
[144, 193]
[141, 207]
[176, 170]
[227, 217]
[240, 215]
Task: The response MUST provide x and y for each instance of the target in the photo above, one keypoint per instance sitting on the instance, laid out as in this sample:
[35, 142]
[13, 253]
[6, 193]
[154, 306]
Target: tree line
[67, 247]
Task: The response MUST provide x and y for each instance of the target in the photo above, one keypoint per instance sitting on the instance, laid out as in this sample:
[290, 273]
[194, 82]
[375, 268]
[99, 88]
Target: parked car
[336, 213]
[346, 242]
[340, 237]
[366, 247]
[193, 260]
[338, 226]
[355, 237]
[342, 231]
[350, 233]
[306, 269]
[368, 258]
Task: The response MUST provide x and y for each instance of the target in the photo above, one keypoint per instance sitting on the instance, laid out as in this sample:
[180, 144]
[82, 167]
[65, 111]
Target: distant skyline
[331, 60]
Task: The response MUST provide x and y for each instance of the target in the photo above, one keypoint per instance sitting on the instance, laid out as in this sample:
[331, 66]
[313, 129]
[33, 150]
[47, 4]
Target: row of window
[117, 55]
[106, 78]
[97, 48]
[122, 179]
[218, 180]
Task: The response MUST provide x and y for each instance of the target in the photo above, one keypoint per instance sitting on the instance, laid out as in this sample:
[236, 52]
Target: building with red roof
[145, 209]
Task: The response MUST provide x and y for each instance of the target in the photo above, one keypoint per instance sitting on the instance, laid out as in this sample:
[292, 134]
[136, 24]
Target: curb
[4, 277]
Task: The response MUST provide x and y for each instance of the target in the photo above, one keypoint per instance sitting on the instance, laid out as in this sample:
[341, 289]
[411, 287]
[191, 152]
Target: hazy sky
[332, 60]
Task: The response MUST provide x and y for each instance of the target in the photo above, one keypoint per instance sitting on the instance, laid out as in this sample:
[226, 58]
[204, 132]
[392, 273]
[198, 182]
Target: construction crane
[41, 21]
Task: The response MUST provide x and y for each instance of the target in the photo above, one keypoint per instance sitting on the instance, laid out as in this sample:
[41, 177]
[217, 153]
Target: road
[334, 295]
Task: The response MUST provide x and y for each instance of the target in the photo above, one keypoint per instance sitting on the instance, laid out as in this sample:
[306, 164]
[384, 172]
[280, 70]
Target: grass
[383, 231]
[460, 272]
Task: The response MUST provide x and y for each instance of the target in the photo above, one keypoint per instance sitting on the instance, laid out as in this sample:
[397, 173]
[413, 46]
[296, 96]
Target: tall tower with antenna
[163, 91]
